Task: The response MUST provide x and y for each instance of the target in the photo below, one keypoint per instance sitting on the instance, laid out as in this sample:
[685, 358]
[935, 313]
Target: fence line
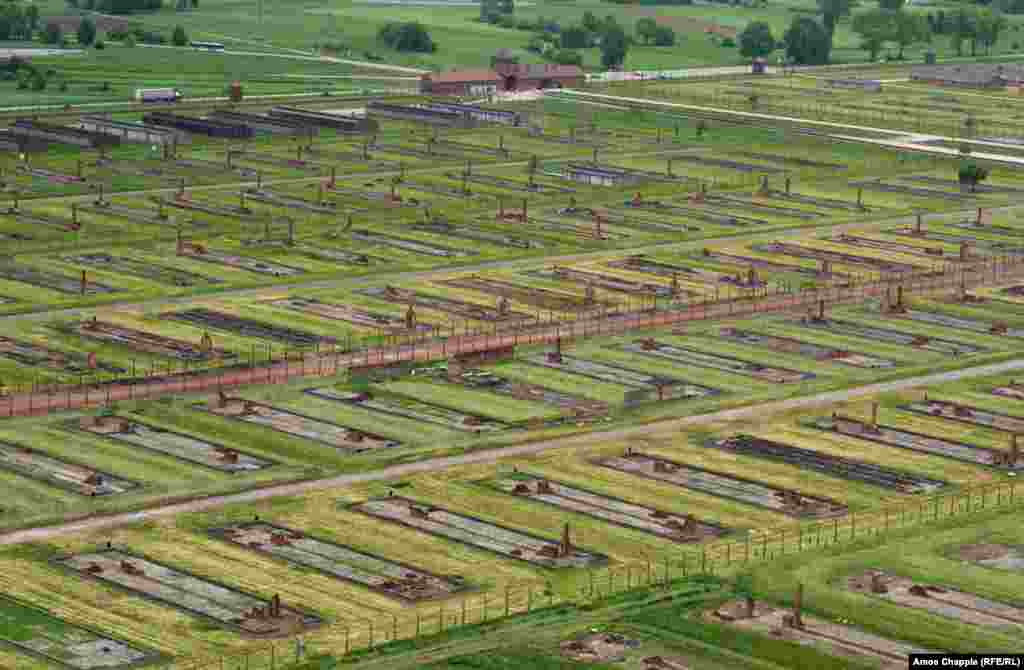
[595, 585]
[392, 350]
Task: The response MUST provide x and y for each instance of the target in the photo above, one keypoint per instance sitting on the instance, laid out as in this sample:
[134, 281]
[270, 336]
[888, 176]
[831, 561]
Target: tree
[807, 42]
[614, 45]
[875, 28]
[591, 22]
[664, 36]
[13, 22]
[963, 28]
[32, 16]
[971, 174]
[506, 6]
[52, 33]
[86, 32]
[756, 40]
[178, 37]
[489, 11]
[567, 57]
[646, 29]
[988, 25]
[574, 37]
[831, 11]
[891, 5]
[411, 36]
[909, 28]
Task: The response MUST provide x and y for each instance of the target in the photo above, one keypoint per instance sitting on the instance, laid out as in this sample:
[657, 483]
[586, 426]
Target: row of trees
[559, 44]
[890, 23]
[969, 24]
[809, 42]
[86, 35]
[650, 32]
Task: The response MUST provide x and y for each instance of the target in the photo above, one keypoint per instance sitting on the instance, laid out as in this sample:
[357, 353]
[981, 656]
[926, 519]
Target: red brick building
[507, 75]
[461, 82]
[516, 77]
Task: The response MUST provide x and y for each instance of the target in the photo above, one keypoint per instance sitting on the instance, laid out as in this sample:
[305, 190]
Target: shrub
[86, 32]
[52, 33]
[178, 37]
[664, 36]
[567, 57]
[728, 42]
[410, 36]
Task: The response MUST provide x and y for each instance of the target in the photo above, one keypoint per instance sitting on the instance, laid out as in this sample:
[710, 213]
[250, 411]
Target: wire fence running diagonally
[662, 571]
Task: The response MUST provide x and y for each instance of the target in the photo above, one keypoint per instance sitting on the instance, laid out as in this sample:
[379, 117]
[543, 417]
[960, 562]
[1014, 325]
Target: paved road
[493, 455]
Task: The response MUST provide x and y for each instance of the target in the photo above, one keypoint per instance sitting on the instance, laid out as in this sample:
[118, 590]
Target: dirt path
[491, 455]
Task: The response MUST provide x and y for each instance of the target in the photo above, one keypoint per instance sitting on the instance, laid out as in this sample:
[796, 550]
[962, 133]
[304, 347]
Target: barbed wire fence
[267, 366]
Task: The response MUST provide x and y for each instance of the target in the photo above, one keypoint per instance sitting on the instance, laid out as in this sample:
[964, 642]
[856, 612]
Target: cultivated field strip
[975, 416]
[654, 386]
[178, 445]
[406, 244]
[53, 280]
[958, 605]
[749, 491]
[527, 295]
[602, 281]
[701, 359]
[477, 533]
[946, 321]
[676, 527]
[830, 256]
[70, 476]
[905, 439]
[459, 308]
[152, 580]
[835, 466]
[245, 327]
[354, 315]
[488, 382]
[981, 244]
[255, 265]
[37, 355]
[410, 408]
[789, 345]
[298, 425]
[144, 341]
[887, 335]
[37, 633]
[859, 241]
[396, 580]
[837, 639]
[162, 274]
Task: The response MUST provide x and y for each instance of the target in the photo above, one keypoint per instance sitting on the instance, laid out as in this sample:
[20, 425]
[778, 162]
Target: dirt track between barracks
[492, 455]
